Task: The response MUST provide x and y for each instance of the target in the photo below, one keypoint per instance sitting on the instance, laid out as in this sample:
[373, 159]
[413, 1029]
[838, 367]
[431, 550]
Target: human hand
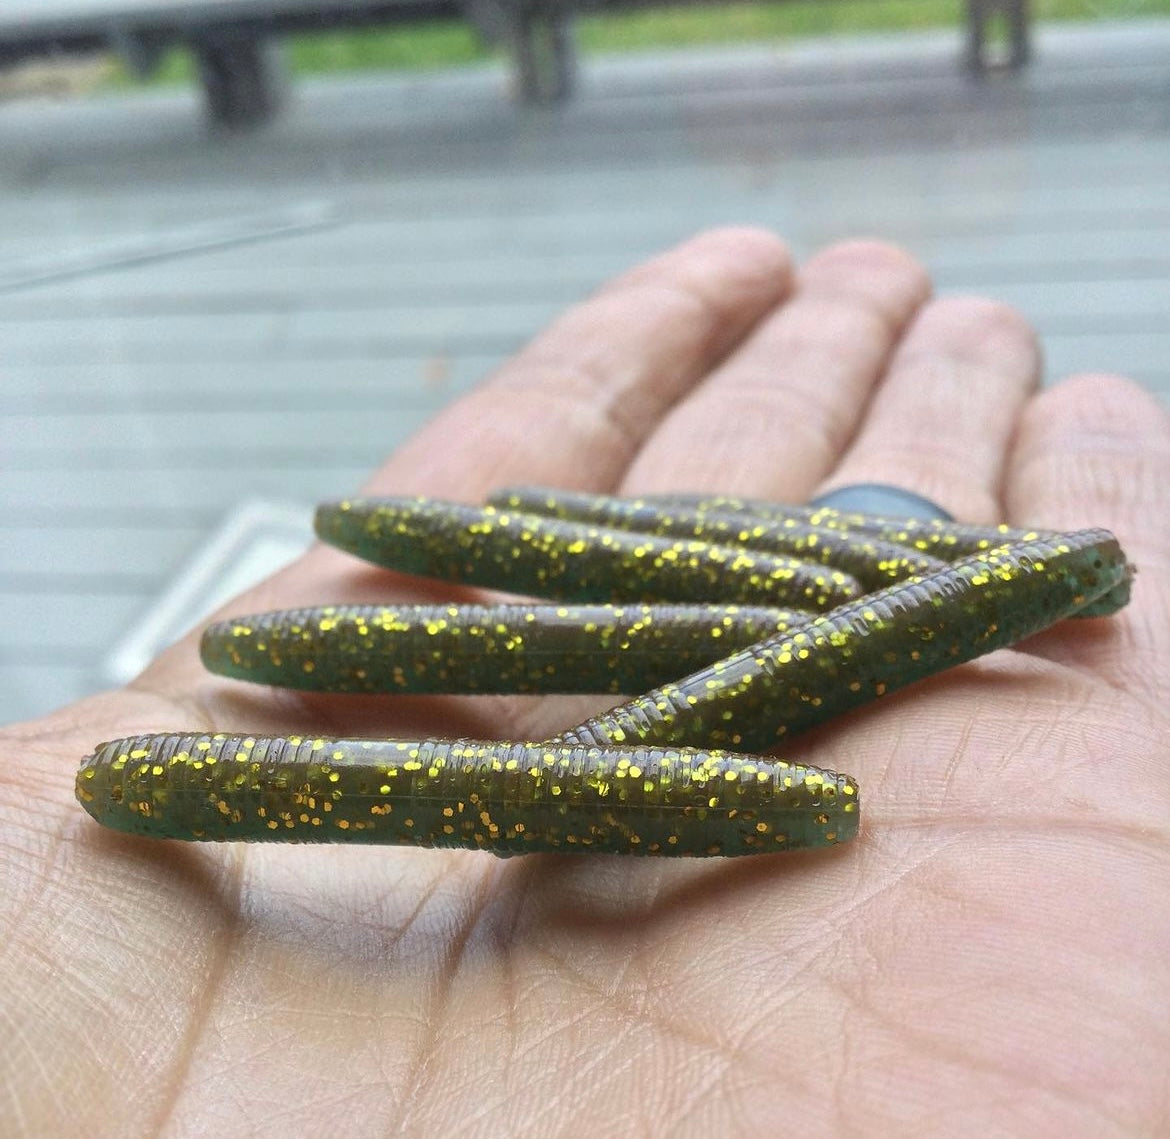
[988, 957]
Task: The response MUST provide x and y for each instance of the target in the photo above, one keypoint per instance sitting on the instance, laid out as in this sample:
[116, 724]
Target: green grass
[733, 23]
[432, 45]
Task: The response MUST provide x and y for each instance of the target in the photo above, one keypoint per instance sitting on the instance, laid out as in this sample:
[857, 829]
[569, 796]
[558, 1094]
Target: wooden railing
[235, 42]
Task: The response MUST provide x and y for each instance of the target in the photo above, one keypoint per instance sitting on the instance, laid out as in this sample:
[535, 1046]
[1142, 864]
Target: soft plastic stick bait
[872, 560]
[527, 553]
[484, 648]
[508, 798]
[862, 650]
[946, 540]
[583, 791]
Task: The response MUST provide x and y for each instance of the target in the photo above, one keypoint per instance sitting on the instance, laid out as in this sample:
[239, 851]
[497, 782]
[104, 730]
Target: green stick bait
[933, 538]
[872, 560]
[634, 780]
[531, 554]
[484, 648]
[862, 650]
[508, 798]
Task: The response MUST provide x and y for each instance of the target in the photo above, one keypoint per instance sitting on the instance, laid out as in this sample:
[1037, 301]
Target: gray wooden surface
[187, 322]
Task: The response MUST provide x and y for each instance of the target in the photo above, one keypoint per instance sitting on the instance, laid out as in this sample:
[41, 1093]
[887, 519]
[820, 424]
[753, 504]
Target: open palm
[991, 956]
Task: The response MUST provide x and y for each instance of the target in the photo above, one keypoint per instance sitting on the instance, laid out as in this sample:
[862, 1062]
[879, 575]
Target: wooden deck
[174, 309]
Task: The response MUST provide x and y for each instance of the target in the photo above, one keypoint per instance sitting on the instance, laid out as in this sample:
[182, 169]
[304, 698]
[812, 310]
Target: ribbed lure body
[531, 554]
[873, 561]
[860, 651]
[616, 649]
[938, 539]
[508, 798]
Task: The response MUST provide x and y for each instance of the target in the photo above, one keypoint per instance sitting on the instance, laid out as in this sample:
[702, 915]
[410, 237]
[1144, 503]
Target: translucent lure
[510, 798]
[936, 538]
[870, 558]
[754, 698]
[638, 779]
[616, 649]
[548, 557]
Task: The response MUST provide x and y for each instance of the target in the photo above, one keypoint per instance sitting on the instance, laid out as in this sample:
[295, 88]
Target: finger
[941, 422]
[1095, 451]
[574, 407]
[774, 417]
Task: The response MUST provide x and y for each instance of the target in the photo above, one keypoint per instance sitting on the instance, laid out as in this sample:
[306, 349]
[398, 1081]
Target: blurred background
[247, 247]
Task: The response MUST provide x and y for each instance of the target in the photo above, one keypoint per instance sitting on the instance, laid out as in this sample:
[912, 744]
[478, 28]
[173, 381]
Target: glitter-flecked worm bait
[944, 538]
[510, 798]
[639, 779]
[547, 557]
[936, 538]
[755, 698]
[872, 560]
[616, 649]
